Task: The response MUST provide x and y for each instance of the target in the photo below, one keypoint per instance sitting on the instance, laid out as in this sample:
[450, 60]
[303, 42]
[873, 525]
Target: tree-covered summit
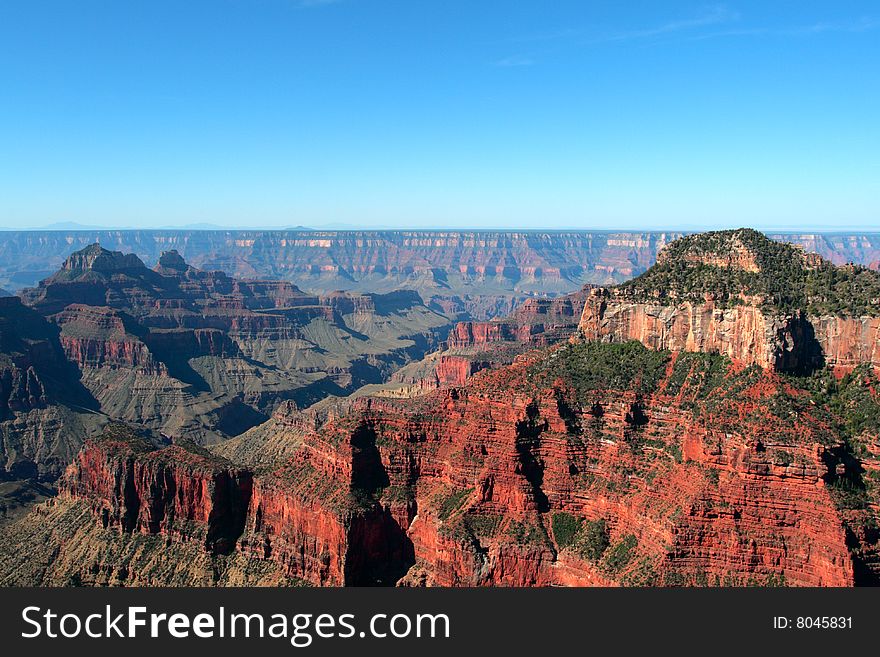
[735, 265]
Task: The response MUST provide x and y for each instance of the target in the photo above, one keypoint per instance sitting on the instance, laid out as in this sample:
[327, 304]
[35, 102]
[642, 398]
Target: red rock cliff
[497, 483]
[183, 494]
[848, 341]
[536, 321]
[488, 468]
[743, 295]
[742, 332]
[745, 333]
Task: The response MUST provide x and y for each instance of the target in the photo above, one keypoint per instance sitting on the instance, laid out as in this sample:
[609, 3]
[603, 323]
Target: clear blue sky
[425, 113]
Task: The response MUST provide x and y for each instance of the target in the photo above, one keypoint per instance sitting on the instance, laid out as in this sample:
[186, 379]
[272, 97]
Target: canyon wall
[847, 342]
[182, 494]
[538, 322]
[191, 354]
[551, 260]
[748, 297]
[501, 482]
[480, 273]
[644, 451]
[742, 332]
[45, 411]
[793, 342]
[462, 274]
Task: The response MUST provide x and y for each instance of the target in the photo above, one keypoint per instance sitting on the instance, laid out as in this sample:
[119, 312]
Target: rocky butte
[186, 353]
[748, 297]
[701, 428]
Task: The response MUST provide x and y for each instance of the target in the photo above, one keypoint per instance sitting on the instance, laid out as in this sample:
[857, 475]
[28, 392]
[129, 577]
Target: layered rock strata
[517, 479]
[739, 294]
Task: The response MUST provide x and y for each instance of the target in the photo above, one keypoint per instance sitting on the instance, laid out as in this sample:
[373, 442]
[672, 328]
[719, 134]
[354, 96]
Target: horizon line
[386, 229]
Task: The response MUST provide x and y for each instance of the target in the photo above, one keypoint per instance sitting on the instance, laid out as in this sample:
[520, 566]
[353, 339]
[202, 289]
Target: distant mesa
[465, 274]
[71, 225]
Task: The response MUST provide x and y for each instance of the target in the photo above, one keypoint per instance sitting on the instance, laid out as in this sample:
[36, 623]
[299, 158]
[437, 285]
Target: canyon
[523, 477]
[196, 355]
[468, 275]
[711, 422]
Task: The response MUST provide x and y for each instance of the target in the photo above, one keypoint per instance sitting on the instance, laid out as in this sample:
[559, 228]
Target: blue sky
[440, 113]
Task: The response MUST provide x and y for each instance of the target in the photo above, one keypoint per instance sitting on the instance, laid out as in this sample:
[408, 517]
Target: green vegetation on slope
[788, 411]
[854, 405]
[590, 366]
[706, 384]
[592, 540]
[565, 528]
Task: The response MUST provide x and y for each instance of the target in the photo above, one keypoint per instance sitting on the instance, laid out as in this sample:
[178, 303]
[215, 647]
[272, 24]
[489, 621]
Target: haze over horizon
[389, 114]
[74, 227]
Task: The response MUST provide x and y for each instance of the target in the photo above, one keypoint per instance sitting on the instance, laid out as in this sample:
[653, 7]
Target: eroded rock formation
[500, 483]
[537, 322]
[205, 356]
[739, 294]
[742, 332]
[713, 423]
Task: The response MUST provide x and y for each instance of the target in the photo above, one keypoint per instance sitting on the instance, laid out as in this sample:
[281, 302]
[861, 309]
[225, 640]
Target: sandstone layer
[739, 294]
[679, 474]
[712, 422]
[743, 333]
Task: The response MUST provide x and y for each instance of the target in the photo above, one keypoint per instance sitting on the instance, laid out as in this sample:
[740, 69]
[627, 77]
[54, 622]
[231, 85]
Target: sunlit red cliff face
[744, 332]
[847, 342]
[703, 438]
[183, 494]
[467, 486]
[739, 316]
